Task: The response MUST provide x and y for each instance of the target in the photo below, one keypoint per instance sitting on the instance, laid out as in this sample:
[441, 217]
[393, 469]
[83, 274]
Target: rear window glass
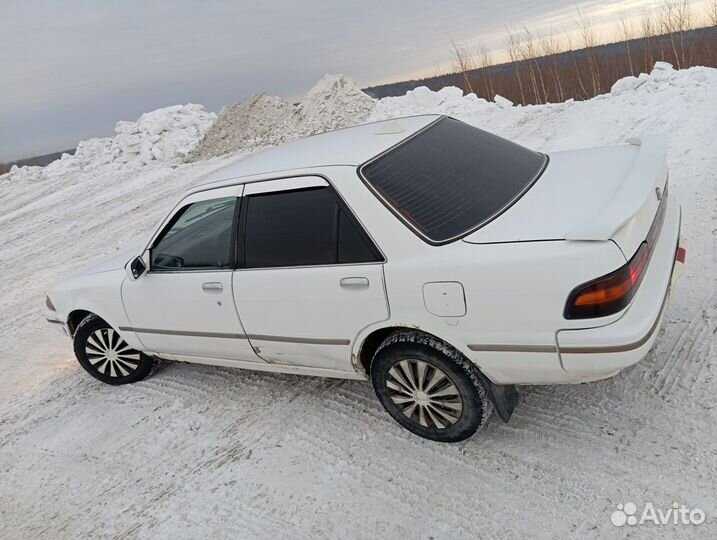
[452, 178]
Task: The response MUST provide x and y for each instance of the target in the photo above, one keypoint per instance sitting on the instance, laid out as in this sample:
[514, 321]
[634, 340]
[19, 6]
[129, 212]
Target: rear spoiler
[648, 171]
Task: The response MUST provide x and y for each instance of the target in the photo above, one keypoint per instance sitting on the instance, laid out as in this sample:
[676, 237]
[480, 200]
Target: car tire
[103, 353]
[429, 388]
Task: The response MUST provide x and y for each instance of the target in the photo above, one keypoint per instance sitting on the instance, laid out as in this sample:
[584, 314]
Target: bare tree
[647, 31]
[626, 33]
[712, 13]
[463, 62]
[512, 45]
[575, 64]
[530, 52]
[485, 61]
[589, 42]
[550, 46]
[572, 63]
[526, 53]
[675, 19]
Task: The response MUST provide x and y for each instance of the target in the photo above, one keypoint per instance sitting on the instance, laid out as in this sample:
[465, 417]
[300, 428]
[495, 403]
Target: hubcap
[424, 393]
[109, 354]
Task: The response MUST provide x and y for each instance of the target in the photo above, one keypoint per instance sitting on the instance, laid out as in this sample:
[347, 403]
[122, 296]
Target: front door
[310, 278]
[184, 304]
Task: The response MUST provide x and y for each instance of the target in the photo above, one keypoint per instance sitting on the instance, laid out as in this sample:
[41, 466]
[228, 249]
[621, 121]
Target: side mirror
[138, 267]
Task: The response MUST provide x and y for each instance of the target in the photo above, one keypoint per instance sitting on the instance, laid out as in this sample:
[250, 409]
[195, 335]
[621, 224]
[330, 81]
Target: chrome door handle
[212, 287]
[354, 282]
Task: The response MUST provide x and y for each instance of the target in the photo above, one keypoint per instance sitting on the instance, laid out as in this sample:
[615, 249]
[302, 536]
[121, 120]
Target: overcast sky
[71, 69]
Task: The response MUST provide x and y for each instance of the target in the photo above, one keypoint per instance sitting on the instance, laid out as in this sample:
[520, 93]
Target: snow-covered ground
[203, 452]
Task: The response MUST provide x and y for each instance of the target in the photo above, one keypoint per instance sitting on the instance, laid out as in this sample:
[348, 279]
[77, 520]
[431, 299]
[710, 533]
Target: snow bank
[158, 136]
[334, 102]
[262, 120]
[503, 103]
[164, 134]
[662, 76]
[422, 100]
[190, 132]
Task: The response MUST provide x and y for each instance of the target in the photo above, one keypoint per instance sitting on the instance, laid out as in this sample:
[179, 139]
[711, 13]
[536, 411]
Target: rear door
[310, 278]
[184, 304]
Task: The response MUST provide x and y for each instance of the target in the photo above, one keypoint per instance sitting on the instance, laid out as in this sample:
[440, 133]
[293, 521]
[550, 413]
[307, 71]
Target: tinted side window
[200, 237]
[290, 228]
[302, 227]
[354, 247]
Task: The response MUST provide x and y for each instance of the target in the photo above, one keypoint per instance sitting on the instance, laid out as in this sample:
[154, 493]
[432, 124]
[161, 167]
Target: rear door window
[302, 227]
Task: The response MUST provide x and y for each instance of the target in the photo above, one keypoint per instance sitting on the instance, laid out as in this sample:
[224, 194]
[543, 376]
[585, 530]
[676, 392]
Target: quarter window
[302, 227]
[199, 237]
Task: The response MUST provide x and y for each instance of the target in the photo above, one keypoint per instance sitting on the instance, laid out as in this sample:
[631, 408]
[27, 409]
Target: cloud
[72, 69]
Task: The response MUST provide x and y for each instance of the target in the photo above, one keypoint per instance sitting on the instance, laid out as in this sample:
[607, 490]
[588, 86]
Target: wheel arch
[75, 317]
[369, 344]
[503, 397]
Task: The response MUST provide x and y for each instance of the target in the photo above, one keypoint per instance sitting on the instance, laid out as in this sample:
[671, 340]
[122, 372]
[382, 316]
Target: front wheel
[103, 353]
[428, 388]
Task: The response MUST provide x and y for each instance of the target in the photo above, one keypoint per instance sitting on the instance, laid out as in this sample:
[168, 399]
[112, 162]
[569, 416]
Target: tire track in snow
[679, 362]
[417, 479]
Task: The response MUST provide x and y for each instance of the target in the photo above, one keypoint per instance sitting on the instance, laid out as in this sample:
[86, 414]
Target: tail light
[611, 293]
[49, 304]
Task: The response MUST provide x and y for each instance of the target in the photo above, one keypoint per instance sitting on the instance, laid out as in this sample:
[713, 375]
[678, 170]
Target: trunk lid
[588, 195]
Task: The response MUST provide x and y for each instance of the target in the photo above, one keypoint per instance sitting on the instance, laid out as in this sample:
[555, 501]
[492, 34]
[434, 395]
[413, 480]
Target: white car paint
[497, 296]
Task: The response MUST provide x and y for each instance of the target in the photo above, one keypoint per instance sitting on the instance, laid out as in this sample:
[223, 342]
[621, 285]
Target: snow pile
[628, 84]
[662, 75]
[190, 132]
[261, 120]
[422, 100]
[661, 72]
[158, 136]
[164, 134]
[334, 102]
[89, 155]
[451, 101]
[503, 103]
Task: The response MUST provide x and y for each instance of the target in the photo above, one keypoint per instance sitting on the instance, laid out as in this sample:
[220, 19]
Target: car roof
[348, 146]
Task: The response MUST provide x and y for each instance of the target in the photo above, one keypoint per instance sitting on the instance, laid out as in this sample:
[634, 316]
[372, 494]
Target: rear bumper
[598, 353]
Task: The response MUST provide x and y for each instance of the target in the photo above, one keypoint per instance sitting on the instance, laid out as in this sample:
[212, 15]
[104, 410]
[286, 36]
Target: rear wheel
[103, 353]
[429, 388]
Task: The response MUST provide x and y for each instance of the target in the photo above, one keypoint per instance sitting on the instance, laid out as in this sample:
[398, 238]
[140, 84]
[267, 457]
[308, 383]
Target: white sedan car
[446, 264]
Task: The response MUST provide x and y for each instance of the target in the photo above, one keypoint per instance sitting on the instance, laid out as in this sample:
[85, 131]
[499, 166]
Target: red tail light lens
[611, 293]
[49, 304]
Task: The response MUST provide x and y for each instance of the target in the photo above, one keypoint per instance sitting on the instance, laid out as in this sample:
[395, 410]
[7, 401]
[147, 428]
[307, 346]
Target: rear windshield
[452, 178]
